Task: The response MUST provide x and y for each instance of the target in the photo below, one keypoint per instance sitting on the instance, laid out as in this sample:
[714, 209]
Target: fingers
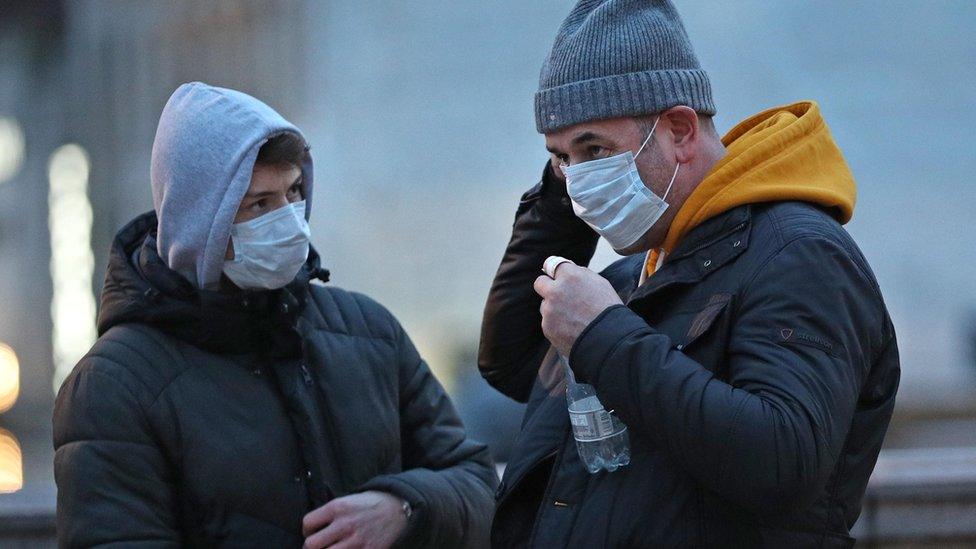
[335, 533]
[565, 270]
[543, 285]
[552, 263]
[346, 544]
[317, 519]
[566, 266]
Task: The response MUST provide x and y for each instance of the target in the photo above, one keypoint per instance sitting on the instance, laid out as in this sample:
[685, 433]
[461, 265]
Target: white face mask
[269, 250]
[609, 196]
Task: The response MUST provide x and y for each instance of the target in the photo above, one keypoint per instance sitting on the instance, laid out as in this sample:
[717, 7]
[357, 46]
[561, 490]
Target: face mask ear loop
[675, 174]
[648, 138]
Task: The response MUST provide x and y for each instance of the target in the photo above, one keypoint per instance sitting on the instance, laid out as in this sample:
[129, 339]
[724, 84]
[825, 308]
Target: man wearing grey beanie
[741, 352]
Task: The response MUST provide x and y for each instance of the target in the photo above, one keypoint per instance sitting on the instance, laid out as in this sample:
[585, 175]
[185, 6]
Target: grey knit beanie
[615, 58]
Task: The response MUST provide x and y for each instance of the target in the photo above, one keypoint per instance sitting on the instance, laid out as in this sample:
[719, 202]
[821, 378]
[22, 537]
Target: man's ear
[685, 132]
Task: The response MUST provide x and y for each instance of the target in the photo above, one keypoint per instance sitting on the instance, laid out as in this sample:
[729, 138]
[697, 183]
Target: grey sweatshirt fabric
[614, 58]
[202, 159]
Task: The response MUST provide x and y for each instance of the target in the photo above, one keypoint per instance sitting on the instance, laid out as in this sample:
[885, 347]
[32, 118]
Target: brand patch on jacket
[788, 335]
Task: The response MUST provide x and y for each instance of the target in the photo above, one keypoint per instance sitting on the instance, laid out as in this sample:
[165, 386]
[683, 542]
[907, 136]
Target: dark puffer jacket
[216, 420]
[756, 371]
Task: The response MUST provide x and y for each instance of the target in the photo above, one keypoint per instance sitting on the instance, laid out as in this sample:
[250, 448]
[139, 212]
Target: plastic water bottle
[601, 438]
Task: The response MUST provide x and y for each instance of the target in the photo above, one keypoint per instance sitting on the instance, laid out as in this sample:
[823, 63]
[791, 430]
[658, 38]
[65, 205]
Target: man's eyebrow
[262, 194]
[585, 137]
[579, 139]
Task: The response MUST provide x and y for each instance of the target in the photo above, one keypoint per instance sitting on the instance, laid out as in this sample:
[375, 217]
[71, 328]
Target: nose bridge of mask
[612, 177]
[273, 221]
[600, 206]
[279, 226]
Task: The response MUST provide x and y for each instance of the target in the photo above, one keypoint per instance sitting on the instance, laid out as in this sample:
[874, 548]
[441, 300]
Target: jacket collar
[141, 288]
[706, 248]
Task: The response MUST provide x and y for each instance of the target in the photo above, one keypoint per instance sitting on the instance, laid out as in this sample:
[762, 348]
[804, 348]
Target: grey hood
[202, 159]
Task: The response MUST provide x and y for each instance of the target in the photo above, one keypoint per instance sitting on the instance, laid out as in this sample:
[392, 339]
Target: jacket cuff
[600, 339]
[419, 519]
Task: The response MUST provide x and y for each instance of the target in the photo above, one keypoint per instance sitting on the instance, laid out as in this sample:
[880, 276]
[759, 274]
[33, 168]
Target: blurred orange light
[9, 377]
[11, 463]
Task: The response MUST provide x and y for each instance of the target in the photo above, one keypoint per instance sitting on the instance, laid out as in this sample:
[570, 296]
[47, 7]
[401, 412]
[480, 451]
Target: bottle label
[591, 425]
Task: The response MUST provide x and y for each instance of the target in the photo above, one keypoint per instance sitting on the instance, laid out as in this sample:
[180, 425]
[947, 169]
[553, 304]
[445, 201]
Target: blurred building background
[421, 124]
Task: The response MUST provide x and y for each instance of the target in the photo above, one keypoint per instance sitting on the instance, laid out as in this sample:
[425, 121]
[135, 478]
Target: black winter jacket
[215, 420]
[756, 371]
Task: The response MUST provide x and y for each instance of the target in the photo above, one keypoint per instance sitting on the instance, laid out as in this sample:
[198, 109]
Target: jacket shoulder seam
[154, 392]
[802, 237]
[122, 386]
[369, 318]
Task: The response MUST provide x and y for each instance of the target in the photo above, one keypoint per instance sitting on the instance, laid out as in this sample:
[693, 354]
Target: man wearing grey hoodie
[228, 400]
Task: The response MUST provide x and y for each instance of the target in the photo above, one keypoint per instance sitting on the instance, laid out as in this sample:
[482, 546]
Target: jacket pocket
[702, 332]
[704, 320]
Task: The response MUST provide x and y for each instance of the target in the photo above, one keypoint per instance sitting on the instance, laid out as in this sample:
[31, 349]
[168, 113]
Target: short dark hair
[646, 122]
[284, 148]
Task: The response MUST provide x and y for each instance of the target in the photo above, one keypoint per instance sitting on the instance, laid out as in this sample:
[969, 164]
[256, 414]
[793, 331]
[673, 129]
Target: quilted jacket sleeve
[114, 486]
[448, 479]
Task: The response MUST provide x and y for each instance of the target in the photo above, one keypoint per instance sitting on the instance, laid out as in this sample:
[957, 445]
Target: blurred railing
[920, 497]
[916, 498]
